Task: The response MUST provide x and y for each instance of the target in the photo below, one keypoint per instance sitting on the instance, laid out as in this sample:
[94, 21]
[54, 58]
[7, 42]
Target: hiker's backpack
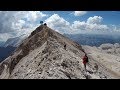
[86, 59]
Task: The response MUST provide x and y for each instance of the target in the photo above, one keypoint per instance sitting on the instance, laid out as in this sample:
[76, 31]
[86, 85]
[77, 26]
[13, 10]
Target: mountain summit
[42, 56]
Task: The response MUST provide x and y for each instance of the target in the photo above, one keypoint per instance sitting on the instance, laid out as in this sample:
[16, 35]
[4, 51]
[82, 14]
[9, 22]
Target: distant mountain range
[6, 48]
[83, 39]
[5, 52]
[94, 39]
[14, 41]
[1, 43]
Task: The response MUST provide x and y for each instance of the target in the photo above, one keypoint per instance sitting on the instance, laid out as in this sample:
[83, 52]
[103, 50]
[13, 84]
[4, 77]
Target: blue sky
[110, 17]
[16, 23]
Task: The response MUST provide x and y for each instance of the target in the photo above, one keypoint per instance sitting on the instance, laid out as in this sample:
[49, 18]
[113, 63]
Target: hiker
[65, 46]
[41, 22]
[85, 60]
[45, 24]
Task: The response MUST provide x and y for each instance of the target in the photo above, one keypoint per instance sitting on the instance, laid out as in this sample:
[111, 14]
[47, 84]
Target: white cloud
[115, 28]
[80, 13]
[58, 23]
[34, 15]
[5, 36]
[17, 21]
[92, 24]
[94, 20]
[97, 27]
[79, 25]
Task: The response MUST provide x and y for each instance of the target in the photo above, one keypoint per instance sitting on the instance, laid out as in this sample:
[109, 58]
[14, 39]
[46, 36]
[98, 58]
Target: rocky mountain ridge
[42, 56]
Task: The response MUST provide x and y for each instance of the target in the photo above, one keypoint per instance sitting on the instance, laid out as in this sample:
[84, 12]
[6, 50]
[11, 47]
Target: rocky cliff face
[42, 56]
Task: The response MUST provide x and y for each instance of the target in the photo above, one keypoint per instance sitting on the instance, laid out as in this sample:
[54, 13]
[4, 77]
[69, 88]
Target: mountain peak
[38, 29]
[42, 37]
[43, 56]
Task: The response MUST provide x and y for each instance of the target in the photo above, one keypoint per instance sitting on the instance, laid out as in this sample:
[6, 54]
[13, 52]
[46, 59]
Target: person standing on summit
[41, 22]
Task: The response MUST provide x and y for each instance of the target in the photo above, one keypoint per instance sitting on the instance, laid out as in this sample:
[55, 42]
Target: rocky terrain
[113, 49]
[107, 54]
[42, 56]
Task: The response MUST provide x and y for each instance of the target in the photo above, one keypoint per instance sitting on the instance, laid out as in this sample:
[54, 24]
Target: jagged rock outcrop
[42, 56]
